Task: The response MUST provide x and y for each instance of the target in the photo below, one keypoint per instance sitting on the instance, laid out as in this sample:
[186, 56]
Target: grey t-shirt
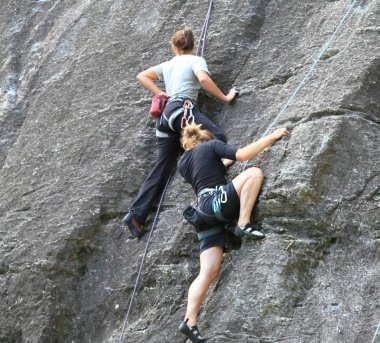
[179, 75]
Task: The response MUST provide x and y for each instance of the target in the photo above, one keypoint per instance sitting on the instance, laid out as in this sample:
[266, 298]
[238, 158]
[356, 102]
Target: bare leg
[247, 186]
[211, 260]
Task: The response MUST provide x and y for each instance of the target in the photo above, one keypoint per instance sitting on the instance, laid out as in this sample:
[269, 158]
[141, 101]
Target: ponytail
[192, 135]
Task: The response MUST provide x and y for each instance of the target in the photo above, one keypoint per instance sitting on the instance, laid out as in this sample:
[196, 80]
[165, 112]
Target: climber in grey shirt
[183, 75]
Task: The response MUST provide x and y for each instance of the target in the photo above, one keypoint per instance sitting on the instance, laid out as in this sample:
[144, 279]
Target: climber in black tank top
[201, 165]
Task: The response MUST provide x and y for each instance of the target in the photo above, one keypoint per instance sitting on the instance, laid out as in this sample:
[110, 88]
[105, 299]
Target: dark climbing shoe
[191, 332]
[133, 225]
[247, 230]
[232, 242]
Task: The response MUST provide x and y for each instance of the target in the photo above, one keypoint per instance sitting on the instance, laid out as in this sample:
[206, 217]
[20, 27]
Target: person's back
[202, 166]
[179, 75]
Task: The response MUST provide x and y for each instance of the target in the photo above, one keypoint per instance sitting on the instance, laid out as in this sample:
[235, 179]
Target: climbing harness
[377, 329]
[219, 198]
[143, 258]
[177, 106]
[327, 44]
[204, 221]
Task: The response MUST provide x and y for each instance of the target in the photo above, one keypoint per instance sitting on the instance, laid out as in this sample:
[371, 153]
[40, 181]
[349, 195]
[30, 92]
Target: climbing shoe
[247, 230]
[232, 242]
[133, 225]
[191, 332]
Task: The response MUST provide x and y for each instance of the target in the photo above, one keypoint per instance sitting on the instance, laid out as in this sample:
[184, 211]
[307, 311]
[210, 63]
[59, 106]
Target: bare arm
[209, 85]
[147, 78]
[253, 149]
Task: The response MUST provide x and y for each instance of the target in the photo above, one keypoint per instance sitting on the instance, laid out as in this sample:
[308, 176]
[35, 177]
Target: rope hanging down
[202, 38]
[200, 52]
[377, 329]
[143, 259]
[327, 44]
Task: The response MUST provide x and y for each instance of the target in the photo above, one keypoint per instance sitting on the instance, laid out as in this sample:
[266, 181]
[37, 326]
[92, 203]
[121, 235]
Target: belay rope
[143, 259]
[202, 38]
[188, 107]
[327, 44]
[374, 336]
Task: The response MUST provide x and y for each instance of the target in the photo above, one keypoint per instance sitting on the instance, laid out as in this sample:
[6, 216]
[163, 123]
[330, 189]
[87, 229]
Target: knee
[256, 173]
[211, 273]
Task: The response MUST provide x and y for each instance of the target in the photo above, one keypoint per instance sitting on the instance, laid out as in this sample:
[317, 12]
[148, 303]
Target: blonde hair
[192, 135]
[183, 40]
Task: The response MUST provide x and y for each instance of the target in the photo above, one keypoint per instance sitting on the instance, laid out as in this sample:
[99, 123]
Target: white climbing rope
[377, 330]
[327, 44]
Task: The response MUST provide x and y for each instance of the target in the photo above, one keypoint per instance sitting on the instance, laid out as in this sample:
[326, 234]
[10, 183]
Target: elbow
[203, 78]
[241, 156]
[139, 77]
[202, 81]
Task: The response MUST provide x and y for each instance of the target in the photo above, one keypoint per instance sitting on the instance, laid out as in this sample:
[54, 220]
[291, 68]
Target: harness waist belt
[206, 191]
[173, 117]
[161, 134]
[219, 197]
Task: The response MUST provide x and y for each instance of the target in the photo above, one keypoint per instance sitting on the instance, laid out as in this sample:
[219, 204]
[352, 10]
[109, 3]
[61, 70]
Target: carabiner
[190, 117]
[223, 196]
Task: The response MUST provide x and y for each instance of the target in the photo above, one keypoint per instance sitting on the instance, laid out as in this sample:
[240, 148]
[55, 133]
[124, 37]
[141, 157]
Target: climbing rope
[374, 337]
[200, 52]
[202, 38]
[143, 259]
[327, 44]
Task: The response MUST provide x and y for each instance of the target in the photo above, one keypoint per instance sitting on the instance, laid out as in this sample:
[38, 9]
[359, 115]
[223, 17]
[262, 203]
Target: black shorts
[217, 240]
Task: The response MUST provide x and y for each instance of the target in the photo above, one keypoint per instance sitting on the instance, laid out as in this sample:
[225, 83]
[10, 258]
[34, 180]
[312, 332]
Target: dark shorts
[230, 211]
[217, 240]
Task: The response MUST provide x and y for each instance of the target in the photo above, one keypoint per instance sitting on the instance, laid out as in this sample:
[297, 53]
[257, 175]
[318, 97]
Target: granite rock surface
[76, 142]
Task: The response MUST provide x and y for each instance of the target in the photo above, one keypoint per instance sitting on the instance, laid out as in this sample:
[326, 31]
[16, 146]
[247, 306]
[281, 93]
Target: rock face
[76, 143]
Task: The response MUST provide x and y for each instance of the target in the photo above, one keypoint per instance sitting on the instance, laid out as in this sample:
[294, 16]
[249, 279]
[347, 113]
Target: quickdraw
[188, 117]
[219, 199]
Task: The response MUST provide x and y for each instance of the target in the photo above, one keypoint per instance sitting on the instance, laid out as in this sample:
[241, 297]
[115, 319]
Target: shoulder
[159, 67]
[199, 63]
[212, 145]
[216, 143]
[198, 59]
[165, 64]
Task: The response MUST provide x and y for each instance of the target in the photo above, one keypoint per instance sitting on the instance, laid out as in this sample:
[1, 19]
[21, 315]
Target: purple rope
[202, 39]
[143, 259]
[200, 52]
